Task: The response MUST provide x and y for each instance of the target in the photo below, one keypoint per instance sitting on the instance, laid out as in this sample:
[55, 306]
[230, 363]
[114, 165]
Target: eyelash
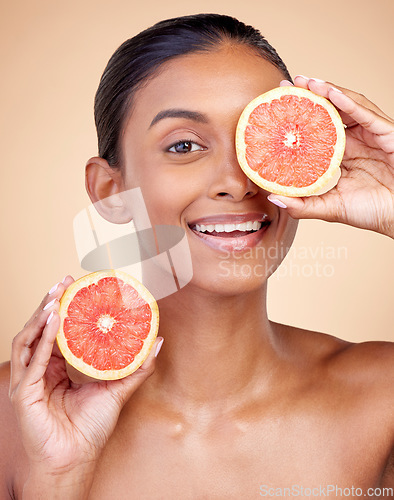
[183, 142]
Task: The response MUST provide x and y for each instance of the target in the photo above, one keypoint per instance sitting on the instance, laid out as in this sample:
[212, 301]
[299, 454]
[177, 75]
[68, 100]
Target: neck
[215, 346]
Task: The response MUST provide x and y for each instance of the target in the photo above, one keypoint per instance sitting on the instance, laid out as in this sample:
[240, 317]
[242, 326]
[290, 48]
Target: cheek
[285, 230]
[289, 231]
[167, 196]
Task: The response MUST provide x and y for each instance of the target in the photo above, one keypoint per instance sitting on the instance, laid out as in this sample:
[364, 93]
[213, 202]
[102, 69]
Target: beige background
[52, 56]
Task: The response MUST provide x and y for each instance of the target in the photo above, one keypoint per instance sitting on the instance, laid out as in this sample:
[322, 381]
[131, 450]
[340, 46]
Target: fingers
[148, 364]
[361, 115]
[55, 292]
[355, 108]
[285, 83]
[312, 207]
[124, 388]
[26, 343]
[322, 88]
[39, 362]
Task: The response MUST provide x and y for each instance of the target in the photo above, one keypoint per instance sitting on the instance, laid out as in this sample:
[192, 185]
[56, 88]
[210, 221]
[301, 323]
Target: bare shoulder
[368, 368]
[364, 371]
[368, 363]
[8, 433]
[357, 379]
[371, 369]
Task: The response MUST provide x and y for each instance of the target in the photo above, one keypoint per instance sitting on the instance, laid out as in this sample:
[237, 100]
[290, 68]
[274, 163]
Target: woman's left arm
[364, 195]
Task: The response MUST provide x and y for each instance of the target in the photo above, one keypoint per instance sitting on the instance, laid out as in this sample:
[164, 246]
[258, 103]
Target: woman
[235, 405]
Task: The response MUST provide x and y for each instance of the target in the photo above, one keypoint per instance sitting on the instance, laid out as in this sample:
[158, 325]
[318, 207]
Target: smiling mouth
[229, 230]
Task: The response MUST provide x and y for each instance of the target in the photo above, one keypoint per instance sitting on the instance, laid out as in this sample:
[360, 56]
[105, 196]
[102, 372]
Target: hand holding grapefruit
[64, 426]
[363, 196]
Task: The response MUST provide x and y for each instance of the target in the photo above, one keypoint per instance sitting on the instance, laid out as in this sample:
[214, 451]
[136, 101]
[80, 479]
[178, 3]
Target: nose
[229, 180]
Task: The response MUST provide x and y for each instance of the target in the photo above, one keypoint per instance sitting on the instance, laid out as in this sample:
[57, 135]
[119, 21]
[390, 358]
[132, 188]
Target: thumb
[122, 389]
[308, 207]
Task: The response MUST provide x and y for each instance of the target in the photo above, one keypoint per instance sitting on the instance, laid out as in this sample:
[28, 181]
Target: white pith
[291, 140]
[228, 228]
[105, 323]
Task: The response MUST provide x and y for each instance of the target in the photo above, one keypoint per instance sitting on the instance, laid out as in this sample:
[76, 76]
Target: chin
[232, 277]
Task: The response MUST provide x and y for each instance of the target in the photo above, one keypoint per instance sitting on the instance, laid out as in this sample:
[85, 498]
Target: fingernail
[336, 90]
[286, 82]
[49, 304]
[317, 80]
[158, 347]
[302, 76]
[64, 279]
[49, 318]
[54, 288]
[276, 202]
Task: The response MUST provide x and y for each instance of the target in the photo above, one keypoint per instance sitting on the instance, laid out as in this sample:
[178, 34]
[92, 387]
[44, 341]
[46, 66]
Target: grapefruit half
[290, 141]
[108, 324]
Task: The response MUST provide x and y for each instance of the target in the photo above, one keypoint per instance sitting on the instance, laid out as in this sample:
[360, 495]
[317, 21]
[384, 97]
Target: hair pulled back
[137, 59]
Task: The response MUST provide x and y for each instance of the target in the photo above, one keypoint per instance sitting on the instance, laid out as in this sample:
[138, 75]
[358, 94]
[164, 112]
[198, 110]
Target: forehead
[209, 82]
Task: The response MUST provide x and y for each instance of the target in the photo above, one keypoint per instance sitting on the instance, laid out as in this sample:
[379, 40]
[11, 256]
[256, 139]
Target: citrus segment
[109, 322]
[291, 141]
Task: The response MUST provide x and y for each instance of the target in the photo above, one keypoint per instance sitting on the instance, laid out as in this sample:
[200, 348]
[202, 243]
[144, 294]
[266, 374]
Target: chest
[236, 460]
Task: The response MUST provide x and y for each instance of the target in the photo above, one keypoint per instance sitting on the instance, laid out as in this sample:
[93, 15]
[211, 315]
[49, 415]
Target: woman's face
[179, 148]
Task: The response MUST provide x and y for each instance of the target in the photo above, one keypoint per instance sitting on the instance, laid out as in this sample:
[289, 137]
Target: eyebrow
[179, 113]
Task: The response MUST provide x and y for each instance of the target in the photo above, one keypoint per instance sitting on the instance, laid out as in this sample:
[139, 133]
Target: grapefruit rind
[78, 363]
[328, 180]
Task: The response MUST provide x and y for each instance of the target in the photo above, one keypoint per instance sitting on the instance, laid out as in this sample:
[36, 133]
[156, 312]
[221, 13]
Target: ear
[104, 185]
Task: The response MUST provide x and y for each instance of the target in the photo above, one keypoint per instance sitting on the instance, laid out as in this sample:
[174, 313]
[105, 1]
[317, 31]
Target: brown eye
[185, 147]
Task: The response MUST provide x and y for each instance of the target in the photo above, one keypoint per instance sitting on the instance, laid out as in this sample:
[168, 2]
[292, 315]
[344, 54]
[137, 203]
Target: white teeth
[229, 228]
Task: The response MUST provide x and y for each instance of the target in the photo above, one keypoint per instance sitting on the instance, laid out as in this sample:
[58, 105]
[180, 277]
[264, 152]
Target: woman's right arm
[64, 426]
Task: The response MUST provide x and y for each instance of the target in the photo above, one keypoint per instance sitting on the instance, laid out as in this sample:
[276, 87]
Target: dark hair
[137, 59]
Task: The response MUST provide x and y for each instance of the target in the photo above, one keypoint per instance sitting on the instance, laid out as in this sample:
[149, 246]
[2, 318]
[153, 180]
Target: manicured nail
[302, 76]
[286, 83]
[158, 347]
[49, 304]
[317, 80]
[54, 288]
[64, 279]
[336, 90]
[49, 318]
[276, 202]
